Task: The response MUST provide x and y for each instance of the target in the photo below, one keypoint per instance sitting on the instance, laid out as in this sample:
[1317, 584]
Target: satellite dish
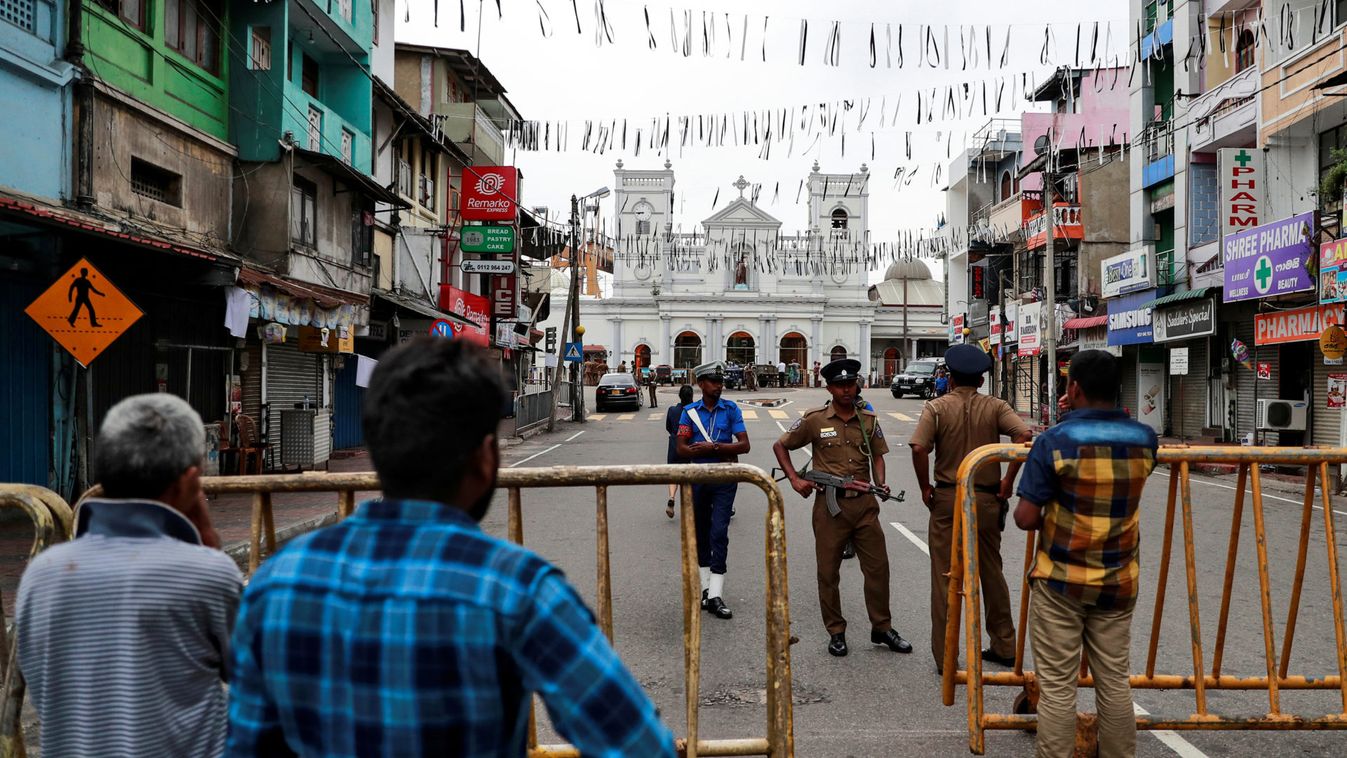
[1041, 144]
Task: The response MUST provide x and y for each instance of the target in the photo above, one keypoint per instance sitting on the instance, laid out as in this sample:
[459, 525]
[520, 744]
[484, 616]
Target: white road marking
[1171, 740]
[1174, 742]
[914, 539]
[535, 455]
[654, 417]
[782, 428]
[778, 414]
[573, 436]
[750, 414]
[626, 417]
[596, 417]
[1265, 495]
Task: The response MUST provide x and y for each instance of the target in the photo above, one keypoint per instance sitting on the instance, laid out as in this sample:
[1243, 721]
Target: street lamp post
[571, 324]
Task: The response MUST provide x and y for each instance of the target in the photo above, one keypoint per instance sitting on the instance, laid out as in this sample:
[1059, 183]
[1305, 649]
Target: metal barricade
[964, 585]
[52, 522]
[780, 736]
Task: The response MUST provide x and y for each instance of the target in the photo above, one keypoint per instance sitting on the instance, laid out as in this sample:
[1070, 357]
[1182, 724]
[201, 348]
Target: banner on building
[473, 307]
[1269, 260]
[1337, 390]
[1151, 395]
[490, 193]
[1333, 271]
[1299, 325]
[1133, 270]
[504, 302]
[1012, 329]
[1128, 322]
[1239, 174]
[956, 329]
[1193, 318]
[1030, 336]
[994, 322]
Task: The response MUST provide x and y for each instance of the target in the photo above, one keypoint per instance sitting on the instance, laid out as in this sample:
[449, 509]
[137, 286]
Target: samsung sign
[1133, 270]
[1128, 322]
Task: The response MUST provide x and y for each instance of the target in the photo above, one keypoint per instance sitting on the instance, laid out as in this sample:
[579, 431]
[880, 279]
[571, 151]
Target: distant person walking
[652, 383]
[941, 382]
[671, 418]
[79, 290]
[1081, 488]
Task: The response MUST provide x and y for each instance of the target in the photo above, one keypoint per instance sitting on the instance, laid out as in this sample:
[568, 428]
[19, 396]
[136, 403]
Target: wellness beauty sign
[1269, 260]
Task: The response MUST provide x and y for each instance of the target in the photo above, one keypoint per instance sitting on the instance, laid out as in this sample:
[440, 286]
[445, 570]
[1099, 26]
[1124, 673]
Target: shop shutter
[1325, 420]
[252, 382]
[1247, 386]
[292, 376]
[25, 385]
[1129, 379]
[1188, 403]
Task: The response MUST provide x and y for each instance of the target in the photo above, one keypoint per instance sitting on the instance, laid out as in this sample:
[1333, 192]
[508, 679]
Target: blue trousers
[711, 508]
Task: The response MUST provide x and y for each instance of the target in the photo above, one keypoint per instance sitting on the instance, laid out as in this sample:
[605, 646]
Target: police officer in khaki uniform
[847, 442]
[953, 426]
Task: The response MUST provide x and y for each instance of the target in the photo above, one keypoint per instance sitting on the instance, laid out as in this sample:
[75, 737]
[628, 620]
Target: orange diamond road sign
[83, 312]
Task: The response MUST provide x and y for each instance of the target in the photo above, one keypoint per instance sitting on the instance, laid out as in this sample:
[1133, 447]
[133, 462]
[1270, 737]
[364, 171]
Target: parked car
[617, 389]
[917, 378]
[664, 373]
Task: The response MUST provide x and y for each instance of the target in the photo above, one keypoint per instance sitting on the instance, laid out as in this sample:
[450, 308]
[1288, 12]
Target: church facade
[739, 288]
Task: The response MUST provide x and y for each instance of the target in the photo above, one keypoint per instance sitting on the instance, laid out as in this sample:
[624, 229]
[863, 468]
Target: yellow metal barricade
[780, 738]
[964, 585]
[52, 522]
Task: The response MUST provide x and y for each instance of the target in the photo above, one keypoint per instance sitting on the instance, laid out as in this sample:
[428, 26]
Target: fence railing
[532, 409]
[965, 590]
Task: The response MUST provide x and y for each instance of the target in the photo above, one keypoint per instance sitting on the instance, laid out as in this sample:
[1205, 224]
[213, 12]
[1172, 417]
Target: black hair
[1098, 374]
[685, 394]
[429, 405]
[965, 380]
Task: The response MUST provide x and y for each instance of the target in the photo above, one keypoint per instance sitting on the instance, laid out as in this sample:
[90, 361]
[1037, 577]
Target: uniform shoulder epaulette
[812, 411]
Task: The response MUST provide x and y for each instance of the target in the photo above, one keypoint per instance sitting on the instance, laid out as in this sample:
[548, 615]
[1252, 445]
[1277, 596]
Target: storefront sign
[1269, 260]
[1194, 318]
[314, 339]
[1333, 344]
[1128, 322]
[1239, 174]
[1030, 338]
[491, 239]
[994, 321]
[1097, 339]
[1299, 325]
[1151, 395]
[489, 193]
[503, 296]
[1333, 271]
[1337, 390]
[1178, 361]
[473, 307]
[1264, 372]
[1133, 270]
[956, 329]
[487, 267]
[1012, 331]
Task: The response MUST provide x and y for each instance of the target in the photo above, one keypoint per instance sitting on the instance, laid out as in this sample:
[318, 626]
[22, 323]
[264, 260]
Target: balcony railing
[1166, 270]
[1066, 221]
[1158, 139]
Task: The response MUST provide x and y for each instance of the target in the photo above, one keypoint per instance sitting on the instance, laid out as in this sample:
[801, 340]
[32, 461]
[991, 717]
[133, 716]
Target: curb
[238, 551]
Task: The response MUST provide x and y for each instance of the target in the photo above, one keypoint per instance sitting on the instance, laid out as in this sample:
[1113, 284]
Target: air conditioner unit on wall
[1281, 415]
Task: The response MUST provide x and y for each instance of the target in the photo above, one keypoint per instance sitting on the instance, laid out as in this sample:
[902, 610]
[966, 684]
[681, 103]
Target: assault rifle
[831, 483]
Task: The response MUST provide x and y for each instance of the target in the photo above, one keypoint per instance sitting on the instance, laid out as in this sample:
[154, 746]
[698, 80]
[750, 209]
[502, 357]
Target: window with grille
[315, 129]
[155, 183]
[303, 211]
[191, 27]
[19, 13]
[362, 236]
[347, 141]
[374, 6]
[259, 48]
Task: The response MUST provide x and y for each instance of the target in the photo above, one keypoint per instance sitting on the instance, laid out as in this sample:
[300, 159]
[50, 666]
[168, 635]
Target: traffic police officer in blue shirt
[711, 430]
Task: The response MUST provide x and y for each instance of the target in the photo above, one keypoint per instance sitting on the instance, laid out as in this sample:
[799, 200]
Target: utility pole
[1001, 346]
[567, 326]
[1048, 319]
[577, 331]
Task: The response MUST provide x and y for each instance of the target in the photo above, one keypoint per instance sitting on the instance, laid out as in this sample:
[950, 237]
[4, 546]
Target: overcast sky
[566, 76]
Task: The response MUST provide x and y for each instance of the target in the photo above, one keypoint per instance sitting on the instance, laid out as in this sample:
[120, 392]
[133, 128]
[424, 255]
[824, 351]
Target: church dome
[907, 270]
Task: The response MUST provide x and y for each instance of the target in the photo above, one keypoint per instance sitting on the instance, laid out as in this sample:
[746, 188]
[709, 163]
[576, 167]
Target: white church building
[741, 290]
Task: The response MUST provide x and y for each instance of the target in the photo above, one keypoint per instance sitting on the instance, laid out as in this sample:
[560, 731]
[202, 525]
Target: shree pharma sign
[1269, 260]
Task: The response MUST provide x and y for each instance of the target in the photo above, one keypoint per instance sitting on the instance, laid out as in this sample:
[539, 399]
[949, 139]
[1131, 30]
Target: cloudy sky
[565, 76]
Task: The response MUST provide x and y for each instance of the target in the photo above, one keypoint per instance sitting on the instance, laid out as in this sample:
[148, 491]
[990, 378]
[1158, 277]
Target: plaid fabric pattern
[406, 630]
[1087, 474]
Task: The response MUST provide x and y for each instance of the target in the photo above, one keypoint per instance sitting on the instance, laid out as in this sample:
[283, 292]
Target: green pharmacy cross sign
[487, 239]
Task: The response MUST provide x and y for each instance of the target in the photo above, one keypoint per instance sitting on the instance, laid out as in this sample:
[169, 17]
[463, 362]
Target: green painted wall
[141, 65]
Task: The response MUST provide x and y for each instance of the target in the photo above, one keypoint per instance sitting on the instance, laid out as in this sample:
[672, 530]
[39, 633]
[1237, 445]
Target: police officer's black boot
[837, 645]
[890, 639]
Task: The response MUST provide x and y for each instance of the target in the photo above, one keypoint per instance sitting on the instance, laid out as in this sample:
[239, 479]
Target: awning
[595, 349]
[324, 297]
[346, 173]
[1088, 322]
[1177, 297]
[34, 208]
[425, 309]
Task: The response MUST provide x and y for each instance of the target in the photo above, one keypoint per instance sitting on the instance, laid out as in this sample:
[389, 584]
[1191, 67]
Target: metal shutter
[252, 382]
[1247, 387]
[292, 377]
[1188, 404]
[1325, 420]
[1129, 378]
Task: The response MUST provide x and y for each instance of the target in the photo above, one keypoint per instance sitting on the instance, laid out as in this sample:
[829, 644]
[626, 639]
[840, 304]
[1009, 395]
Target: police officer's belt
[983, 488]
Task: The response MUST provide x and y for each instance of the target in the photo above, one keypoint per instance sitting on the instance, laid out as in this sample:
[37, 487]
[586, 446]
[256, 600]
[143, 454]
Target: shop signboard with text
[1193, 318]
[473, 307]
[1012, 326]
[1239, 172]
[1030, 338]
[1133, 270]
[1269, 260]
[1129, 323]
[490, 193]
[1333, 271]
[1299, 325]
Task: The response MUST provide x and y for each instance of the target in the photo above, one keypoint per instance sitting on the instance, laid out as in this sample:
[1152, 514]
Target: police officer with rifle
[847, 476]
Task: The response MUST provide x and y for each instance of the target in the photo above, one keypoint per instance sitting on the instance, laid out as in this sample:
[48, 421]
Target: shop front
[1289, 354]
[1184, 323]
[1143, 372]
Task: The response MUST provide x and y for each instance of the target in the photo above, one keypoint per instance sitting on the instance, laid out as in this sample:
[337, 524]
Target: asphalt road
[875, 702]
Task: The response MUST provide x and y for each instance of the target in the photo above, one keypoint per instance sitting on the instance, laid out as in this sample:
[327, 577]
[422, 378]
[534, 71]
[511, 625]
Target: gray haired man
[123, 632]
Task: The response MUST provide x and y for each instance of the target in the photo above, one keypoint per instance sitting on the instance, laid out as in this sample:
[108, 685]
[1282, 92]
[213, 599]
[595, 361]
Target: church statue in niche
[741, 271]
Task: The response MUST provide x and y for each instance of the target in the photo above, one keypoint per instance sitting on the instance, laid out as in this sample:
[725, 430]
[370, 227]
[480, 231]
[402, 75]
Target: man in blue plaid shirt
[405, 630]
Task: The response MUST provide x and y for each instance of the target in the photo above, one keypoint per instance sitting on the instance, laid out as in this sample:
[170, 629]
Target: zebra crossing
[750, 414]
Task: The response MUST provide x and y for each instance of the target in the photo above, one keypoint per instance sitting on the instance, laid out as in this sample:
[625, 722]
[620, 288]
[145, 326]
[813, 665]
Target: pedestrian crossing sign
[84, 312]
[572, 353]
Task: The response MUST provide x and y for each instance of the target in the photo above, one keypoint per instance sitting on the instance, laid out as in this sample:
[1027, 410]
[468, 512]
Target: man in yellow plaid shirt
[1081, 487]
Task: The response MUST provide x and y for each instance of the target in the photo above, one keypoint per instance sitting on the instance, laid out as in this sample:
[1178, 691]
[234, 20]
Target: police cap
[841, 370]
[967, 359]
[712, 370]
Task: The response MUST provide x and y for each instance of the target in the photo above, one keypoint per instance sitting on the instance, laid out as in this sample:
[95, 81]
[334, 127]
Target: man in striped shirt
[1081, 486]
[406, 630]
[123, 632]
